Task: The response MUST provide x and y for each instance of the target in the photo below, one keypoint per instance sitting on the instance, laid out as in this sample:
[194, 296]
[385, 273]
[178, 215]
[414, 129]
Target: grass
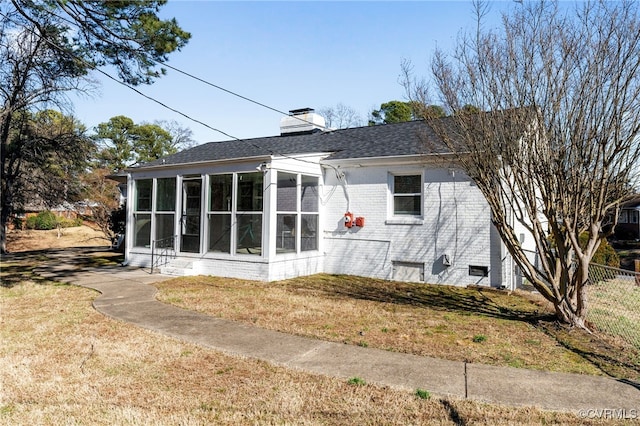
[356, 381]
[615, 308]
[479, 338]
[61, 362]
[462, 324]
[80, 236]
[423, 394]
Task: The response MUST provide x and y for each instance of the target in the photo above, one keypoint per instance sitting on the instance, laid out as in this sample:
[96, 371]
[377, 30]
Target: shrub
[605, 255]
[43, 221]
[18, 223]
[31, 222]
[118, 220]
[69, 223]
[46, 220]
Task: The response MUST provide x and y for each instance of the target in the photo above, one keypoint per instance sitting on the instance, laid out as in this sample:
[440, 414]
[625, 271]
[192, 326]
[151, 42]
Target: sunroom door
[191, 210]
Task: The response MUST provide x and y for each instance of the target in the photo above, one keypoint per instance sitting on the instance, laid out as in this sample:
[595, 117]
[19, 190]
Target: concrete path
[127, 295]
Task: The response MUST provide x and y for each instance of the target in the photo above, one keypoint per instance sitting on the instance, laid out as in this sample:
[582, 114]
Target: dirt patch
[79, 236]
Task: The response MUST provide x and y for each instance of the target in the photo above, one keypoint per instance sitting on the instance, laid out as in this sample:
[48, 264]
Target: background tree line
[48, 50]
[63, 162]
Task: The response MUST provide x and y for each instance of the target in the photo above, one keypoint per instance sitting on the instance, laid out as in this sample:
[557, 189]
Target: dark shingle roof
[389, 140]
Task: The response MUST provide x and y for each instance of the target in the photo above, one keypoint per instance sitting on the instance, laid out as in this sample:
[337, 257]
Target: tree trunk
[6, 209]
[4, 219]
[568, 314]
[3, 240]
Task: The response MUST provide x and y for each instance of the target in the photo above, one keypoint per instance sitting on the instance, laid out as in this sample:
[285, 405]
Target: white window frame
[299, 213]
[228, 213]
[136, 212]
[157, 212]
[234, 213]
[402, 219]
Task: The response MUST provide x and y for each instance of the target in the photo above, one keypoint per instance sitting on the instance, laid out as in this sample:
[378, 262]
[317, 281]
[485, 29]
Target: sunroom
[255, 219]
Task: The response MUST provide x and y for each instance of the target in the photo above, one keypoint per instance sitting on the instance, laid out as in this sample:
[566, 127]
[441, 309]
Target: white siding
[456, 222]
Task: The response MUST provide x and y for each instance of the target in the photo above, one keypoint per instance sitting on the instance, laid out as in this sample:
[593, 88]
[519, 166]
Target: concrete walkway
[127, 295]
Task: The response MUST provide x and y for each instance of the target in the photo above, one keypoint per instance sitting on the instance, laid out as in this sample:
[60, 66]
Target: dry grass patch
[459, 324]
[63, 363]
[77, 236]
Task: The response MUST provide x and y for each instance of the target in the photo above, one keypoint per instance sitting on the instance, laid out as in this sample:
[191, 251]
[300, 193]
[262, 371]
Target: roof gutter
[197, 163]
[381, 161]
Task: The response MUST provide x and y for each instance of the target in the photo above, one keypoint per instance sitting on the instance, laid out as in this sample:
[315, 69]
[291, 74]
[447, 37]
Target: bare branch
[557, 148]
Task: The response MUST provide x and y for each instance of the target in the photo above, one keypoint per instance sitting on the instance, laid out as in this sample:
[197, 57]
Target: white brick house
[274, 208]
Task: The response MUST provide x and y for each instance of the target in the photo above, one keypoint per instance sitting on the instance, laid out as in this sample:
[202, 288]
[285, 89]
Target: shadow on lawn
[465, 301]
[612, 357]
[22, 266]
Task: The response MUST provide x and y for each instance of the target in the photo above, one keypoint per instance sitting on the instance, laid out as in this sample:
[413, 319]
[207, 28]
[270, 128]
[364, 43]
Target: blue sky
[286, 55]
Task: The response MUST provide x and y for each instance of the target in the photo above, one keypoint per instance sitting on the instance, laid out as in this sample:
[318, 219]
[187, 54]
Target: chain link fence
[614, 302]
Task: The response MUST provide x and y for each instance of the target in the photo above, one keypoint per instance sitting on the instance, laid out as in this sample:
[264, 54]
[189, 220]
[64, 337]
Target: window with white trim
[165, 209]
[235, 199]
[406, 191]
[143, 202]
[297, 203]
[220, 203]
[249, 213]
[309, 205]
[287, 212]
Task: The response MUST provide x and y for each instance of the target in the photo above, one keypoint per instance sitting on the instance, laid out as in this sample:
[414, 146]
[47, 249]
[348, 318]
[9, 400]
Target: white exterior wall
[290, 265]
[268, 266]
[455, 221]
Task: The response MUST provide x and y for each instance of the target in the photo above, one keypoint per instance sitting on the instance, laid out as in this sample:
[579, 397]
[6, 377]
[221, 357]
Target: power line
[190, 75]
[109, 76]
[340, 176]
[238, 95]
[164, 105]
[74, 23]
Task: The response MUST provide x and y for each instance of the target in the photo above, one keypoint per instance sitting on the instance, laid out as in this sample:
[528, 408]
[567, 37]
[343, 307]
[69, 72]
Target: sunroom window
[165, 211]
[624, 216]
[309, 197]
[297, 213]
[235, 213]
[287, 212]
[220, 203]
[249, 213]
[142, 213]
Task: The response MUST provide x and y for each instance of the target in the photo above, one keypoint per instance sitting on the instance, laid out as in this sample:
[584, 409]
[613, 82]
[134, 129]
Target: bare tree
[557, 148]
[181, 136]
[340, 117]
